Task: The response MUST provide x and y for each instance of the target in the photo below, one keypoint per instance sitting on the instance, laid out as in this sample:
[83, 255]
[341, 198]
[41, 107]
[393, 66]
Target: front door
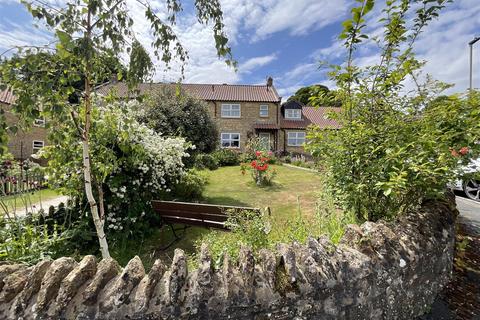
[265, 140]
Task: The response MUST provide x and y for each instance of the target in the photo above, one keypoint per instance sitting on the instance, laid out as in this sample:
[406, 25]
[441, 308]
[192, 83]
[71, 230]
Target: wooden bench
[196, 214]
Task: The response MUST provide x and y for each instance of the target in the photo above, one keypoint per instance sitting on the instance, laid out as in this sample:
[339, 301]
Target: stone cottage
[23, 143]
[244, 111]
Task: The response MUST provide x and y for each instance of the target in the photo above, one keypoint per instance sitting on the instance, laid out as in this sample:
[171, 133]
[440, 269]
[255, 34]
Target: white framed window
[37, 145]
[295, 114]
[230, 110]
[230, 140]
[296, 139]
[264, 110]
[40, 122]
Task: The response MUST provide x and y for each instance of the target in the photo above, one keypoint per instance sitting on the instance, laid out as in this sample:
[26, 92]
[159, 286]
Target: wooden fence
[21, 183]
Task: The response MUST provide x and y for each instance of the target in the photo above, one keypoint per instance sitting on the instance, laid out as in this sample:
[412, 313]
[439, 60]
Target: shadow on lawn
[225, 200]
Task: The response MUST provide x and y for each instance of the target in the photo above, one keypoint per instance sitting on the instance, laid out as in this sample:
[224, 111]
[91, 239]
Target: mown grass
[293, 192]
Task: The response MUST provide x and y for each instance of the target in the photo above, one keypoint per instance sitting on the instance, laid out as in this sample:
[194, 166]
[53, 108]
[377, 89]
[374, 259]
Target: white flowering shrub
[131, 165]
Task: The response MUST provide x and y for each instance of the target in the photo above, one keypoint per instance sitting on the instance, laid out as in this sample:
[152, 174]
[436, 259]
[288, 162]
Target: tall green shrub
[399, 143]
[172, 112]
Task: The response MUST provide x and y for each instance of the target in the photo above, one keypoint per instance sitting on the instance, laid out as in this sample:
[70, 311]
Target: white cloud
[252, 63]
[267, 17]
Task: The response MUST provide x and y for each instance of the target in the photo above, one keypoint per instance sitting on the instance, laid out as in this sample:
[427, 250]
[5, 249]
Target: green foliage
[174, 113]
[206, 161]
[257, 231]
[304, 94]
[190, 187]
[28, 241]
[259, 168]
[132, 166]
[394, 150]
[84, 30]
[226, 157]
[253, 145]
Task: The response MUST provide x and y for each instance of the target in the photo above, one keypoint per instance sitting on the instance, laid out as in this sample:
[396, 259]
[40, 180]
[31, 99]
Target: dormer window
[293, 114]
[40, 122]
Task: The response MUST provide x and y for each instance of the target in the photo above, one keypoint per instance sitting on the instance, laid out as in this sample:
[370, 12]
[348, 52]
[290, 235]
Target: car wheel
[472, 189]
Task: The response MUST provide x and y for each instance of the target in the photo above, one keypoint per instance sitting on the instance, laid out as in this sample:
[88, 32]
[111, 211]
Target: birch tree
[83, 32]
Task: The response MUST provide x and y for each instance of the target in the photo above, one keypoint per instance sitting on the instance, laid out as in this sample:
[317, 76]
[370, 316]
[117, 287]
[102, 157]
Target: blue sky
[284, 39]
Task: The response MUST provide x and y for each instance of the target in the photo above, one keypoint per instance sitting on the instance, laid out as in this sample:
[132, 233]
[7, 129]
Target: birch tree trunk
[99, 223]
[91, 201]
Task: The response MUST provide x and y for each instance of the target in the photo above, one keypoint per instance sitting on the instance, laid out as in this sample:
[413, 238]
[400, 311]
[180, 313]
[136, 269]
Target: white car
[471, 187]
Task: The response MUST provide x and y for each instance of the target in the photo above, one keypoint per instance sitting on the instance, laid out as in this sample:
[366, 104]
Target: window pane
[235, 136]
[235, 143]
[235, 107]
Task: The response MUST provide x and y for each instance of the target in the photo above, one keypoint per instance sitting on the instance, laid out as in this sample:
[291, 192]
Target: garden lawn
[293, 191]
[28, 199]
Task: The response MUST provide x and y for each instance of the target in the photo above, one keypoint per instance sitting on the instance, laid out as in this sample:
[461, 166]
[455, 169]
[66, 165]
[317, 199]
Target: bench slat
[198, 214]
[202, 223]
[196, 207]
[194, 215]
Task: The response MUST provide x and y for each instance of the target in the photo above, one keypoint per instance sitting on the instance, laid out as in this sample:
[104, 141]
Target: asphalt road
[469, 211]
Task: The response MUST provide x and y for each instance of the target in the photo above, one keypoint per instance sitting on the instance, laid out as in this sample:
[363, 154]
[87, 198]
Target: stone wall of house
[378, 271]
[250, 114]
[20, 144]
[283, 146]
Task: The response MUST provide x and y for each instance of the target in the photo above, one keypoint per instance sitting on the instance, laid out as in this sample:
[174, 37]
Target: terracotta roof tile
[263, 125]
[6, 96]
[212, 92]
[312, 116]
[318, 116]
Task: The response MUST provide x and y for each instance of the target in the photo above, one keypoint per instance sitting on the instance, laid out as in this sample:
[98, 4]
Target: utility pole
[471, 43]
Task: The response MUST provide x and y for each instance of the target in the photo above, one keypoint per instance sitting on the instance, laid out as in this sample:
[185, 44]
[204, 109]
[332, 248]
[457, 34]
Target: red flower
[258, 153]
[263, 159]
[263, 167]
[454, 152]
[463, 151]
[253, 163]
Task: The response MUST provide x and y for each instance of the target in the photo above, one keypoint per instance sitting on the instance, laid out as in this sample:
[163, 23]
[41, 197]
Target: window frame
[296, 138]
[39, 122]
[35, 149]
[264, 110]
[230, 140]
[223, 110]
[294, 111]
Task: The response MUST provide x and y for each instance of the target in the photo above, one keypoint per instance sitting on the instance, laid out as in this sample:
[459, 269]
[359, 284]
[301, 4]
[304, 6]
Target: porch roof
[269, 126]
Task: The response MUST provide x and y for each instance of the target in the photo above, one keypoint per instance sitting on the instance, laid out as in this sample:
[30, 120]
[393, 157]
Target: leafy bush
[171, 112]
[28, 241]
[206, 161]
[262, 173]
[190, 187]
[258, 231]
[226, 157]
[133, 165]
[394, 150]
[247, 228]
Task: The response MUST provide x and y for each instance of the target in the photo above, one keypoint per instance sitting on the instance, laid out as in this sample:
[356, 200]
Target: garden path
[36, 207]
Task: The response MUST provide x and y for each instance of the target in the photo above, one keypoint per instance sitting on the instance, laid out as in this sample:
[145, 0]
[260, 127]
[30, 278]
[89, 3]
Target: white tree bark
[91, 200]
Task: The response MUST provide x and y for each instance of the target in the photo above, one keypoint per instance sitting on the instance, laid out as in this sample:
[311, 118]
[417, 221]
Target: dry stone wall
[378, 271]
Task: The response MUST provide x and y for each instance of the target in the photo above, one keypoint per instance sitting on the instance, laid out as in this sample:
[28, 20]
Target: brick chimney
[269, 81]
